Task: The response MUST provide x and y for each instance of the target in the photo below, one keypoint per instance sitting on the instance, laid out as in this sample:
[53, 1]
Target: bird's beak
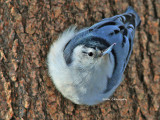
[108, 50]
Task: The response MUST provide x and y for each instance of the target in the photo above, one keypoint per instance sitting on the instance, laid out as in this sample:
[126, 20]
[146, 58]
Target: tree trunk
[27, 29]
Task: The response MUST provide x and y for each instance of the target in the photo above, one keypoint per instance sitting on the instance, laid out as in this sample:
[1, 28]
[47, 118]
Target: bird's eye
[90, 54]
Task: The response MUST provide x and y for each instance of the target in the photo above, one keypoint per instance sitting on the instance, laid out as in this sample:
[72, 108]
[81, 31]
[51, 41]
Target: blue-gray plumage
[119, 29]
[112, 36]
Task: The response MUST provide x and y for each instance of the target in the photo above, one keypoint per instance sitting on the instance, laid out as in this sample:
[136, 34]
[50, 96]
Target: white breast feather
[89, 91]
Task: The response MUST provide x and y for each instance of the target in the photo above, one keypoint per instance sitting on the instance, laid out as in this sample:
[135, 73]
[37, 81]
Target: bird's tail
[137, 20]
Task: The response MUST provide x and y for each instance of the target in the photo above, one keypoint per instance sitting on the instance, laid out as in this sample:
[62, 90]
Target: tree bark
[28, 28]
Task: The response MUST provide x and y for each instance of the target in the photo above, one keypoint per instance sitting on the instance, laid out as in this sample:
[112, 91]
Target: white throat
[94, 79]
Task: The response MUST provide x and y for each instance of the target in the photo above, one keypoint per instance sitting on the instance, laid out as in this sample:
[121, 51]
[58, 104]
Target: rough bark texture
[27, 29]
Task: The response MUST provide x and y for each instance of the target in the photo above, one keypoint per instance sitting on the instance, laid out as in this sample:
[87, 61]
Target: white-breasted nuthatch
[86, 66]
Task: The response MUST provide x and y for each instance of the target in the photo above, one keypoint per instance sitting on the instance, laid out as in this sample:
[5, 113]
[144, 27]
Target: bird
[87, 65]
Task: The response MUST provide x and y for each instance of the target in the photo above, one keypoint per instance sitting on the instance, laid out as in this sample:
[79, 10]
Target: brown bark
[27, 29]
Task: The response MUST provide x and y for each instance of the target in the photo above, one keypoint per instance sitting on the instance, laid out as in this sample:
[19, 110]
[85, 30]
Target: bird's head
[84, 56]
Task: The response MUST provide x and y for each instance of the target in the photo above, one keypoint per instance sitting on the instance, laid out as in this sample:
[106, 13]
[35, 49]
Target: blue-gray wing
[119, 29]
